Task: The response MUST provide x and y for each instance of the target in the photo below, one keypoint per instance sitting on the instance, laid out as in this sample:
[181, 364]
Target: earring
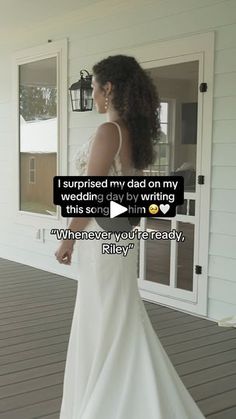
[106, 103]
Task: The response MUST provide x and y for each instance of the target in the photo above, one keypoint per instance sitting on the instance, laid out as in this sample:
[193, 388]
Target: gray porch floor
[36, 309]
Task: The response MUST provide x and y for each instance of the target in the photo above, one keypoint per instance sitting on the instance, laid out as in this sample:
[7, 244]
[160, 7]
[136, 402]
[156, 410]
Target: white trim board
[158, 54]
[57, 49]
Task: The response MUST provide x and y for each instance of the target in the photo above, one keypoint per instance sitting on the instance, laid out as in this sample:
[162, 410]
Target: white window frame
[170, 137]
[170, 52]
[58, 49]
[153, 168]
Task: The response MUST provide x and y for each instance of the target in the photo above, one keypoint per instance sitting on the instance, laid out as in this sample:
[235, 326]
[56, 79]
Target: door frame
[162, 54]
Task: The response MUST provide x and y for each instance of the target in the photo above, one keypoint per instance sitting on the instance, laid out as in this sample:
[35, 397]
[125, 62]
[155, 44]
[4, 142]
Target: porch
[36, 309]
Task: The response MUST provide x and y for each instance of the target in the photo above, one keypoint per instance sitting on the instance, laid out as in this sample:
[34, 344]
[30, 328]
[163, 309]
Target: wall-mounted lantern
[81, 93]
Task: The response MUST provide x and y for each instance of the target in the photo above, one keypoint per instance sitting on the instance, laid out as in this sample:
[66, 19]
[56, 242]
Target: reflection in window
[187, 208]
[177, 85]
[185, 254]
[161, 166]
[158, 253]
[32, 170]
[38, 135]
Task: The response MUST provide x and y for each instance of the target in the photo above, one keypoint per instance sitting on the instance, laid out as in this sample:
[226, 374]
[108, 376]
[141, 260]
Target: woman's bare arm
[102, 152]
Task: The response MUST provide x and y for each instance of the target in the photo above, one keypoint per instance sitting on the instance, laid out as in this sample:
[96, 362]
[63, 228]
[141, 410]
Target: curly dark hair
[136, 100]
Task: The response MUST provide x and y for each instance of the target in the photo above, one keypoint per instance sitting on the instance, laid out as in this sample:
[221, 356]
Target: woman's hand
[64, 252]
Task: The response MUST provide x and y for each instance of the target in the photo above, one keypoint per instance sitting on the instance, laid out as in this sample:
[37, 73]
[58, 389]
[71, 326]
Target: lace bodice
[80, 159]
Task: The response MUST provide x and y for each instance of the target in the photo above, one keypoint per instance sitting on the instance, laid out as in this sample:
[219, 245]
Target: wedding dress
[116, 367]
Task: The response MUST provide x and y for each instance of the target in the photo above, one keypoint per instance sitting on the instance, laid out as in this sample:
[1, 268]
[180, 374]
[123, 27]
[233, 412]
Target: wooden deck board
[36, 310]
[224, 414]
[213, 388]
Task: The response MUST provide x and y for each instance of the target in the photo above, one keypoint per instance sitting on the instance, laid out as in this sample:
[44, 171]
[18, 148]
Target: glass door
[167, 267]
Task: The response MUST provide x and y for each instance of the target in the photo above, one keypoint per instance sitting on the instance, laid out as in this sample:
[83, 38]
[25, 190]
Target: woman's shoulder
[107, 137]
[108, 127]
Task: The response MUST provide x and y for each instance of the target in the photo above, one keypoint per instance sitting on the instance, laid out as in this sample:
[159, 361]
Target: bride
[116, 367]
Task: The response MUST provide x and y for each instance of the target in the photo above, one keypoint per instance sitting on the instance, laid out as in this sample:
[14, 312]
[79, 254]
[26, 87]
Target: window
[38, 101]
[41, 107]
[32, 170]
[161, 166]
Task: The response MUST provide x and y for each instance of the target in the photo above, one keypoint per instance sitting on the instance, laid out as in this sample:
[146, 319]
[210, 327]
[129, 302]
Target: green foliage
[38, 102]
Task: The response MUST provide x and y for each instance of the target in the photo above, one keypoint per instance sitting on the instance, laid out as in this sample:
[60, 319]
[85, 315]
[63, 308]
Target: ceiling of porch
[18, 15]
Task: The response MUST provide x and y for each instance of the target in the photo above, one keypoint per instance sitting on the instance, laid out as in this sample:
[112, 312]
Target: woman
[116, 367]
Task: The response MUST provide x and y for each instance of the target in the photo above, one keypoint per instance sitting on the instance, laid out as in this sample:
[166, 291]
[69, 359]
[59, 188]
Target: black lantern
[81, 93]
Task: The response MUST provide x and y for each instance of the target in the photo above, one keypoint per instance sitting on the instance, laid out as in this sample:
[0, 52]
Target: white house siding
[111, 27]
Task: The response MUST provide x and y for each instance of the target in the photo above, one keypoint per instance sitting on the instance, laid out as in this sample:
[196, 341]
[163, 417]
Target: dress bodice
[80, 159]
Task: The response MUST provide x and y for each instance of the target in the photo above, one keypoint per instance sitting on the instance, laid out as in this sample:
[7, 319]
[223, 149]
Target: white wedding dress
[116, 367]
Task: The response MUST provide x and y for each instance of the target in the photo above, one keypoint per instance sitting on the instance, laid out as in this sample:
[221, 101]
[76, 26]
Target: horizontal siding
[5, 124]
[223, 200]
[110, 27]
[80, 135]
[162, 23]
[225, 62]
[226, 290]
[222, 245]
[32, 245]
[223, 225]
[5, 109]
[5, 77]
[224, 131]
[224, 177]
[217, 267]
[224, 155]
[219, 309]
[225, 37]
[224, 108]
[225, 84]
[46, 262]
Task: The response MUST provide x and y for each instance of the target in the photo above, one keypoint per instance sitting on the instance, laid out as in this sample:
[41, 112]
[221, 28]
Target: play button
[117, 224]
[116, 209]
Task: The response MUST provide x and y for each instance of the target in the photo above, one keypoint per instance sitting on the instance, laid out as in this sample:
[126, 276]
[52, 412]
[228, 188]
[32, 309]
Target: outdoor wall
[113, 27]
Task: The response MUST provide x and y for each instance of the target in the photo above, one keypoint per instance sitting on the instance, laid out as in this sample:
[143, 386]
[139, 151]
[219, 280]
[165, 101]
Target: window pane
[185, 252]
[163, 154]
[178, 91]
[164, 112]
[187, 208]
[158, 253]
[38, 135]
[163, 170]
[32, 163]
[163, 138]
[32, 176]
